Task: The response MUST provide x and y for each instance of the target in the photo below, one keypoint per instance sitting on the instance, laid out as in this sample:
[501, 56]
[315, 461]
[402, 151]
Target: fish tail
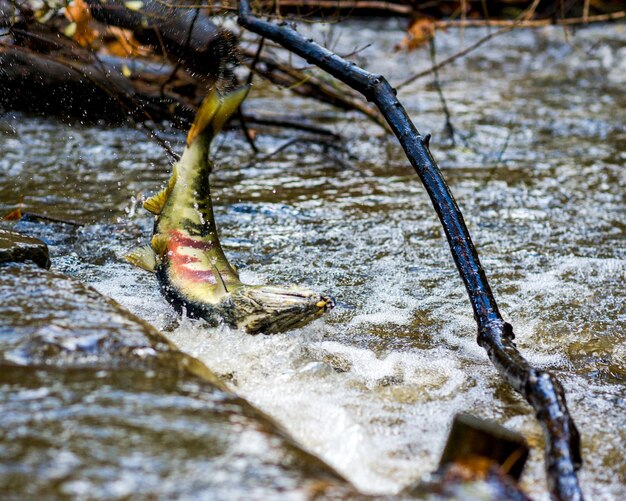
[214, 111]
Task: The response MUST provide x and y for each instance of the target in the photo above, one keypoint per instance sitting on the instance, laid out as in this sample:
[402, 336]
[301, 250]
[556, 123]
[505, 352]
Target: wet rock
[474, 437]
[479, 480]
[97, 404]
[17, 248]
[49, 319]
[481, 461]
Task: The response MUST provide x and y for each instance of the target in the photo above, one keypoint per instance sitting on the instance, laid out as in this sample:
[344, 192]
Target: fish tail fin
[214, 111]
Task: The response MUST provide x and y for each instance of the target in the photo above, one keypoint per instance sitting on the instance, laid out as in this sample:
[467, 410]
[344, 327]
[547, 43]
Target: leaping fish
[185, 252]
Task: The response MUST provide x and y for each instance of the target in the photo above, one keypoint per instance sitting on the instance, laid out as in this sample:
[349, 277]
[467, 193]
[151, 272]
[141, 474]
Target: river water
[537, 168]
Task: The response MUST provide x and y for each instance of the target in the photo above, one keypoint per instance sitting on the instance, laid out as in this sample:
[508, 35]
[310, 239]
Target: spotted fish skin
[189, 262]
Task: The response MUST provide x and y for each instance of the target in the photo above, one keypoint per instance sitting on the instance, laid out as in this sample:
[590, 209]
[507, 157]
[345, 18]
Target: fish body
[185, 253]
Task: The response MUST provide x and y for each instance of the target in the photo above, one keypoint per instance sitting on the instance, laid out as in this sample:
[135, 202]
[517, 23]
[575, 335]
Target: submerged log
[541, 389]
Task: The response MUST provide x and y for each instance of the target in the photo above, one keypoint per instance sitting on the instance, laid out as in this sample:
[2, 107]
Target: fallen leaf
[420, 31]
[124, 44]
[14, 215]
[79, 28]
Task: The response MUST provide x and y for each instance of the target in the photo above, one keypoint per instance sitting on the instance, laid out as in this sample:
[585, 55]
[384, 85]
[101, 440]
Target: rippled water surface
[538, 170]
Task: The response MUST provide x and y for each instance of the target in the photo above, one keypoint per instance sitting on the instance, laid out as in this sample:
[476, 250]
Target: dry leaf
[79, 16]
[14, 215]
[420, 31]
[124, 44]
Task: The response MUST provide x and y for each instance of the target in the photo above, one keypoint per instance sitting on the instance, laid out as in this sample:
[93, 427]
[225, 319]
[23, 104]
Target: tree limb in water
[541, 389]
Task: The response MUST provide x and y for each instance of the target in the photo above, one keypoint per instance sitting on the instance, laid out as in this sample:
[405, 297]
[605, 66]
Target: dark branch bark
[541, 389]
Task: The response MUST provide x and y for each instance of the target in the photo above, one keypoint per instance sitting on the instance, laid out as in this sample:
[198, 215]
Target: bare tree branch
[541, 389]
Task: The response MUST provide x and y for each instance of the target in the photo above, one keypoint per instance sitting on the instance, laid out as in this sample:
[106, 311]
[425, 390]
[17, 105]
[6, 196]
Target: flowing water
[537, 168]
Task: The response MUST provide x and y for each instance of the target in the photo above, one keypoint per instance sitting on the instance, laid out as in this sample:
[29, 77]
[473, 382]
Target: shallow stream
[538, 170]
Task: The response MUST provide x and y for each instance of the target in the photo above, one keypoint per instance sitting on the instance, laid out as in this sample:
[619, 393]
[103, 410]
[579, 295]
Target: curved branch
[541, 389]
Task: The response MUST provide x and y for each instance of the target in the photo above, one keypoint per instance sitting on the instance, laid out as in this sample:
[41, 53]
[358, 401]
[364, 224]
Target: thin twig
[452, 58]
[289, 143]
[33, 216]
[290, 123]
[506, 25]
[541, 389]
[255, 61]
[172, 75]
[530, 23]
[433, 58]
[246, 131]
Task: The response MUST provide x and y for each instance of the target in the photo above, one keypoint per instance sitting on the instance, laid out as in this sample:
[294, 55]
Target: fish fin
[159, 244]
[143, 257]
[156, 203]
[219, 281]
[230, 104]
[214, 111]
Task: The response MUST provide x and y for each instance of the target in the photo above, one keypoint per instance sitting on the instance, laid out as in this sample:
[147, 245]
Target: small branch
[255, 61]
[449, 128]
[530, 23]
[541, 389]
[290, 123]
[246, 131]
[327, 145]
[345, 5]
[506, 25]
[453, 58]
[33, 216]
[310, 85]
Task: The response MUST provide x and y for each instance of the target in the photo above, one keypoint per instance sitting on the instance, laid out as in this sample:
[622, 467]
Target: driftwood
[540, 388]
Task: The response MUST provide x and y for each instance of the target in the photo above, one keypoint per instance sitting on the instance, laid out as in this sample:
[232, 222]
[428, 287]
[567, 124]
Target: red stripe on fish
[181, 240]
[179, 261]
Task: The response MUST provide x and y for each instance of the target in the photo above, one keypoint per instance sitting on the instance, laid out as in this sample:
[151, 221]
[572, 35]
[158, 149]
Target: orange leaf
[14, 215]
[124, 44]
[420, 31]
[78, 12]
